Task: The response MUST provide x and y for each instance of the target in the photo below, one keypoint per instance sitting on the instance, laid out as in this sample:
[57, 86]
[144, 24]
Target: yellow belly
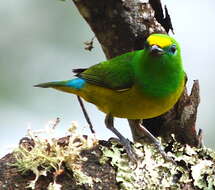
[130, 103]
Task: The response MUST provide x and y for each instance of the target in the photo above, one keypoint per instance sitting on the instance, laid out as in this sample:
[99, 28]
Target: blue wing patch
[77, 83]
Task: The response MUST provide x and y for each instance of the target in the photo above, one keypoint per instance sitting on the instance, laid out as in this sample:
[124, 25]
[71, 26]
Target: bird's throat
[160, 77]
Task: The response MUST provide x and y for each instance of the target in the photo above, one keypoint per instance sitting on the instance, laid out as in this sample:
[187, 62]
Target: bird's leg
[139, 130]
[137, 133]
[125, 142]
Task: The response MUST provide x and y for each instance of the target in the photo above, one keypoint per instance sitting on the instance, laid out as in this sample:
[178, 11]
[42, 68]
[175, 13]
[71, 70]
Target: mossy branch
[81, 162]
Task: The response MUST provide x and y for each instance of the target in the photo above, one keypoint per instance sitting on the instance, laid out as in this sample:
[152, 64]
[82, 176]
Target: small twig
[86, 115]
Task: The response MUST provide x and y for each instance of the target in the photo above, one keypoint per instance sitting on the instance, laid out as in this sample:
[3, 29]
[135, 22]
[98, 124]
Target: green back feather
[116, 73]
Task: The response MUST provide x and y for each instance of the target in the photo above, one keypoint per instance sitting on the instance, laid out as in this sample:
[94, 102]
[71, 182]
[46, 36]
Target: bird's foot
[154, 140]
[121, 139]
[128, 148]
[162, 152]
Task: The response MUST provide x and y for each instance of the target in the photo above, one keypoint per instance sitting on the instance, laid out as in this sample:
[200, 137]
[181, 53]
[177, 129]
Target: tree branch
[120, 26]
[78, 163]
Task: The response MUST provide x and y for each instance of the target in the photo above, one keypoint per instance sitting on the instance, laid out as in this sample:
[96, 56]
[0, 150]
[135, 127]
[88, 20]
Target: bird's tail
[73, 86]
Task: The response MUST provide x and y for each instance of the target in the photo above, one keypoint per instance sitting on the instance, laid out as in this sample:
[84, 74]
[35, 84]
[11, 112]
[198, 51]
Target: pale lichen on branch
[81, 156]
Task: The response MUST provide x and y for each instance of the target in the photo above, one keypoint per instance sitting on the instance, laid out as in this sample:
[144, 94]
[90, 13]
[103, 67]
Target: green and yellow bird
[137, 85]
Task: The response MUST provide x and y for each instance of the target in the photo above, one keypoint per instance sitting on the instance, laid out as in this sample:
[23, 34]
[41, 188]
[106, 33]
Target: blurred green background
[42, 40]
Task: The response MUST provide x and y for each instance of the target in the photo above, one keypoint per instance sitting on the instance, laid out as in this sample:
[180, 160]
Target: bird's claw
[128, 148]
[163, 153]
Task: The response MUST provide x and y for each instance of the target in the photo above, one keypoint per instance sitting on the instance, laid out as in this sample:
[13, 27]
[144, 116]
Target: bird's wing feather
[116, 73]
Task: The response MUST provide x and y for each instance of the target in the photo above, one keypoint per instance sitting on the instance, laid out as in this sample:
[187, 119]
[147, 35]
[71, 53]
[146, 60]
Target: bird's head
[160, 70]
[160, 44]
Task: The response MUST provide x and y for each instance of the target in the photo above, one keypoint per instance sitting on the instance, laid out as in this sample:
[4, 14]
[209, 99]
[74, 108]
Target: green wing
[116, 73]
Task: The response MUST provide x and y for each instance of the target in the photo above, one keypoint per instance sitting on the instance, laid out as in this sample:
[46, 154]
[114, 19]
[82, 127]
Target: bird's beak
[156, 51]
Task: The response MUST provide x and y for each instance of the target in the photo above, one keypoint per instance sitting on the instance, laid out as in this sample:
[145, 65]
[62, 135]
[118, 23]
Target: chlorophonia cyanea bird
[137, 85]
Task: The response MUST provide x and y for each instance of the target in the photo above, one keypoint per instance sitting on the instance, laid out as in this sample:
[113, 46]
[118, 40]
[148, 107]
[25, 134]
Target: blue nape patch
[77, 83]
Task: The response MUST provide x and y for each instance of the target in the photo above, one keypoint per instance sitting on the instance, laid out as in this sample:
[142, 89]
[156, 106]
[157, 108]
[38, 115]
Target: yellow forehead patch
[159, 40]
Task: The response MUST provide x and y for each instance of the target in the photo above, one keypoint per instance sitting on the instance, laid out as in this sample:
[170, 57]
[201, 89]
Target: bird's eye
[173, 49]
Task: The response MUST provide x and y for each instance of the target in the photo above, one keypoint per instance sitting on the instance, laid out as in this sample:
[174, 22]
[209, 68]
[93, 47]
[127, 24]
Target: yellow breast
[130, 103]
